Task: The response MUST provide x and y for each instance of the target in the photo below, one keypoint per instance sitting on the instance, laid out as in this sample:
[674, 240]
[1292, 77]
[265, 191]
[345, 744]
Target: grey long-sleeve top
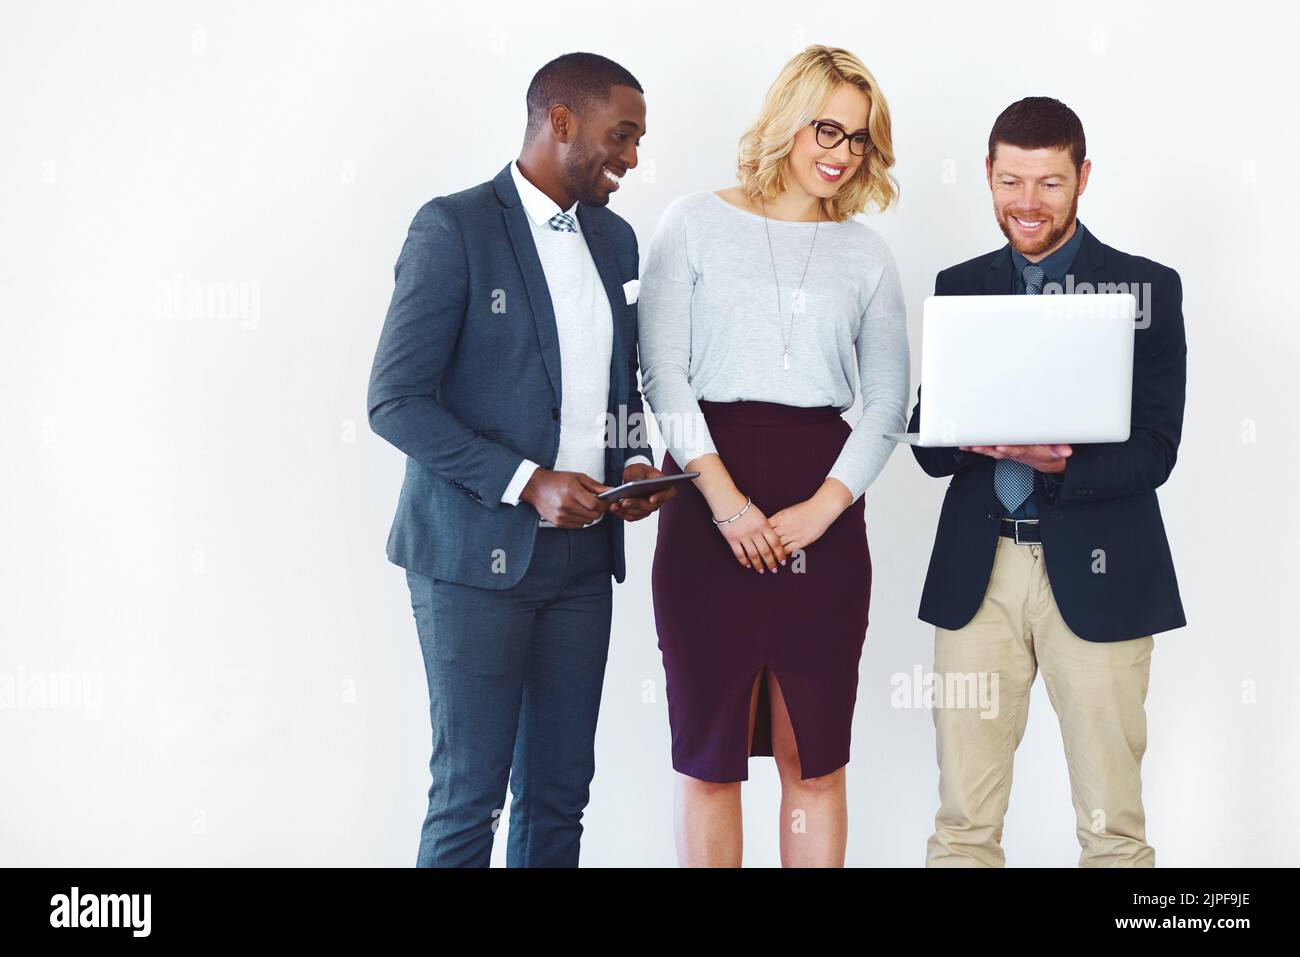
[709, 329]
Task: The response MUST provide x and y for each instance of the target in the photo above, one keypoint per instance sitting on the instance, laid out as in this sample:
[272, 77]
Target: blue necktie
[562, 223]
[1012, 480]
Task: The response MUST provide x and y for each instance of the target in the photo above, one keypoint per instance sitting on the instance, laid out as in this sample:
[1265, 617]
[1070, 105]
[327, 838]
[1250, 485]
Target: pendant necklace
[798, 295]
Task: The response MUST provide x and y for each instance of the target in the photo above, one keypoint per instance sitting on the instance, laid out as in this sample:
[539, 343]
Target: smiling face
[819, 171]
[1035, 196]
[604, 146]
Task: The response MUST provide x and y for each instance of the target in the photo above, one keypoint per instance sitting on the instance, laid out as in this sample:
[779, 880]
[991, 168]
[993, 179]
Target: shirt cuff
[516, 487]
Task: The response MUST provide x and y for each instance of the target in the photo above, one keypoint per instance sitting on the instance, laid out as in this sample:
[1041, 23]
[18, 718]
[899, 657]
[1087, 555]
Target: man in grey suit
[507, 373]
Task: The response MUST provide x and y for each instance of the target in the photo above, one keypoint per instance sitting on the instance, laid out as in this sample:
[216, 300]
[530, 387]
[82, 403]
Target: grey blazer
[466, 381]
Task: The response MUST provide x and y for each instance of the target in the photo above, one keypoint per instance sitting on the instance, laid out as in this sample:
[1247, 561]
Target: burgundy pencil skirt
[721, 625]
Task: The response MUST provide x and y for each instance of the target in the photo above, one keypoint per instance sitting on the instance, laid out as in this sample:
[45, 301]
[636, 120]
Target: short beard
[1053, 237]
[577, 176]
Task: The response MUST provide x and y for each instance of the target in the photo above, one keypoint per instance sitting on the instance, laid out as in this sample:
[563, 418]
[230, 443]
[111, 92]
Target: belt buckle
[1027, 521]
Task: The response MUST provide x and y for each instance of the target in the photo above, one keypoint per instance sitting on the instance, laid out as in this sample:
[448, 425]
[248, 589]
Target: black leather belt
[1023, 530]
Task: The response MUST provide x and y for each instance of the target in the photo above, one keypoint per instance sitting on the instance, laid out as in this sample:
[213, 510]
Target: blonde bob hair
[792, 103]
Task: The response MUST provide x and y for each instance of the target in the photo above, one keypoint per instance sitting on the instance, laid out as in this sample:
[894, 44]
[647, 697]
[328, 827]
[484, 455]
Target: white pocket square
[631, 289]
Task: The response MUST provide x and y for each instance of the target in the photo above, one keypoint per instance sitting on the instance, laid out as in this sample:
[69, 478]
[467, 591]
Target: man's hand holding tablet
[633, 502]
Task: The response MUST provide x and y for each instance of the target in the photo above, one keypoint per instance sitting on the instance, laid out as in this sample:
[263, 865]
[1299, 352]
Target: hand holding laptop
[1042, 458]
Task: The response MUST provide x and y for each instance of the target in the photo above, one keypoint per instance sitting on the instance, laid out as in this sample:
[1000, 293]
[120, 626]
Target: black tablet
[644, 488]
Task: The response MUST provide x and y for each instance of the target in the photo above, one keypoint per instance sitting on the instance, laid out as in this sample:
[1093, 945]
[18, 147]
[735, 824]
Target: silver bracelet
[726, 521]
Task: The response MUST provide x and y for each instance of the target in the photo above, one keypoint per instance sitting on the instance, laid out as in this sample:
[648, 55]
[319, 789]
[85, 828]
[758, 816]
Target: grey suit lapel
[595, 237]
[539, 294]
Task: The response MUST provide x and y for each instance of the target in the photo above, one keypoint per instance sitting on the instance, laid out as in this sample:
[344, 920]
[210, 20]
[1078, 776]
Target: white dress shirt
[585, 327]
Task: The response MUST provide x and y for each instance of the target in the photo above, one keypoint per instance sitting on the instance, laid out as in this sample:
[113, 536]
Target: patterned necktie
[563, 223]
[1012, 480]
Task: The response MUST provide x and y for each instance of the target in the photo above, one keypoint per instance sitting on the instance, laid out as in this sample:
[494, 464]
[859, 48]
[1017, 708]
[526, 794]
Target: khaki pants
[1097, 689]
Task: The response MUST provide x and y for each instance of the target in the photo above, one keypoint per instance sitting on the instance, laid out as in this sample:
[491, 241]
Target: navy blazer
[466, 380]
[1103, 539]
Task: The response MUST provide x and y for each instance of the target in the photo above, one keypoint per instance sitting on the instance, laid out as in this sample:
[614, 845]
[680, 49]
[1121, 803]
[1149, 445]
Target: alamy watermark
[190, 299]
[22, 690]
[1079, 306]
[951, 689]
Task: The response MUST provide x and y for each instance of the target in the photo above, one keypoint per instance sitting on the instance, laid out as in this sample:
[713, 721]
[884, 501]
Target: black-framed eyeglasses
[830, 135]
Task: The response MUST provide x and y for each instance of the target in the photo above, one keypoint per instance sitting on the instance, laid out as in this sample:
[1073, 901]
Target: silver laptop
[1025, 370]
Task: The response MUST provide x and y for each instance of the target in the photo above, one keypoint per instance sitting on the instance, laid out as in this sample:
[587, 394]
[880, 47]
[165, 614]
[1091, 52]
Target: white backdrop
[207, 657]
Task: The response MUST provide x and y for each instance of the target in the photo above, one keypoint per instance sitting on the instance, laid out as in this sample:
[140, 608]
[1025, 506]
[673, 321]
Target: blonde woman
[759, 306]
